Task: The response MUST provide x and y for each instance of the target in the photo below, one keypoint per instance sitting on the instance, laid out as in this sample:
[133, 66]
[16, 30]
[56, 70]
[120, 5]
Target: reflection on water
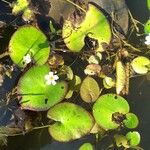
[139, 100]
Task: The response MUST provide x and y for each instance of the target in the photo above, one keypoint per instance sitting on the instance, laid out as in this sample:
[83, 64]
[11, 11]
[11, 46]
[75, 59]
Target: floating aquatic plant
[22, 6]
[130, 140]
[133, 138]
[29, 40]
[35, 93]
[131, 121]
[71, 122]
[141, 65]
[109, 111]
[121, 140]
[86, 146]
[98, 29]
[89, 90]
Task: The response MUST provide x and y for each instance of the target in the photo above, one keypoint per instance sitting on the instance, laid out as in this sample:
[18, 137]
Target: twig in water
[76, 5]
[4, 55]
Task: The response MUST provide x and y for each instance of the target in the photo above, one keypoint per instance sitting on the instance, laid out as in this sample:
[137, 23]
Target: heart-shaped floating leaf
[36, 94]
[98, 29]
[29, 40]
[86, 146]
[131, 121]
[109, 111]
[133, 138]
[141, 65]
[147, 27]
[89, 90]
[72, 122]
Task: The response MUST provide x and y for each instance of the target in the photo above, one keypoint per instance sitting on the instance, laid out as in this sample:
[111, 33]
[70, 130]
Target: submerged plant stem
[24, 132]
[132, 47]
[6, 2]
[133, 21]
[114, 31]
[41, 127]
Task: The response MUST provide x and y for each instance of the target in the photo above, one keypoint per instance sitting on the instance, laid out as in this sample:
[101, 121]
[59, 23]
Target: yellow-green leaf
[120, 77]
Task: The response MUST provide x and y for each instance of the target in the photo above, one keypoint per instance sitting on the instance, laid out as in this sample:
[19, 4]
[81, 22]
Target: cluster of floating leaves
[46, 80]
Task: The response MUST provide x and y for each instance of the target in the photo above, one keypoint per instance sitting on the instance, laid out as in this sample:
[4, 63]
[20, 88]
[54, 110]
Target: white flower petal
[147, 38]
[51, 73]
[28, 56]
[56, 77]
[147, 42]
[50, 78]
[53, 82]
[27, 59]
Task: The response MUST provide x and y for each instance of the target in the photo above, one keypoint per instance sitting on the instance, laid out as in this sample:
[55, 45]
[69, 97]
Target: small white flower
[147, 38]
[27, 59]
[51, 78]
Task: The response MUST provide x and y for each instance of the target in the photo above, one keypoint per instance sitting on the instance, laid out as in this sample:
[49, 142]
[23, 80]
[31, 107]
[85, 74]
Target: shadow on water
[139, 100]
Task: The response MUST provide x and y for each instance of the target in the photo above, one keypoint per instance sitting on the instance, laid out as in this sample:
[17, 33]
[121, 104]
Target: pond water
[139, 100]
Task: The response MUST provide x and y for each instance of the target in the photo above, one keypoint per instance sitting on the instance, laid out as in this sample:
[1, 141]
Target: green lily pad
[89, 90]
[141, 65]
[86, 146]
[109, 109]
[131, 121]
[29, 40]
[36, 94]
[147, 27]
[22, 6]
[98, 29]
[72, 122]
[133, 138]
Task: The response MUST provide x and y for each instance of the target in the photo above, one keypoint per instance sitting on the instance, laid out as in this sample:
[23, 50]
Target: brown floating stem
[76, 5]
[4, 55]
